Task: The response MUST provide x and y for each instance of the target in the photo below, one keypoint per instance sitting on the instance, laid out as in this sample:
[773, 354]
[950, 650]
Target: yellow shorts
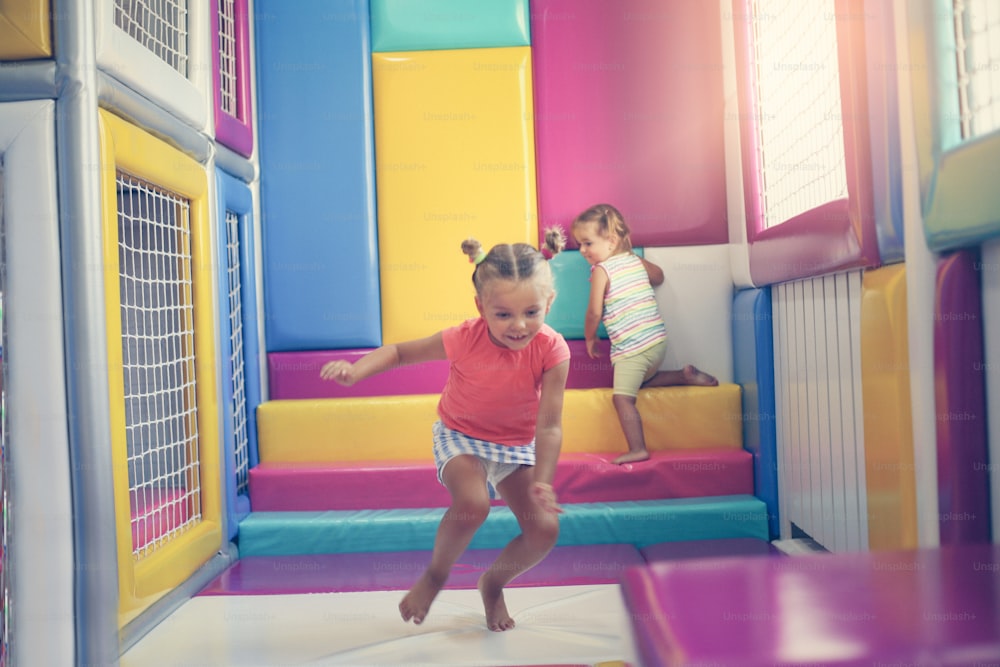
[633, 370]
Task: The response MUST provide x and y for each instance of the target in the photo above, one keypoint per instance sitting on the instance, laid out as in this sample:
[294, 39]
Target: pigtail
[474, 249]
[553, 242]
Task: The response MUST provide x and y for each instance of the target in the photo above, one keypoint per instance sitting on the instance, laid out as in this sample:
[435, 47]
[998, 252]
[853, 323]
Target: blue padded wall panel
[320, 254]
[753, 369]
[424, 25]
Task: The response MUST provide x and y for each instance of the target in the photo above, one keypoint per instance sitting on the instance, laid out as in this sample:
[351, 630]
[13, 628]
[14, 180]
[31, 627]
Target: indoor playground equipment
[203, 203]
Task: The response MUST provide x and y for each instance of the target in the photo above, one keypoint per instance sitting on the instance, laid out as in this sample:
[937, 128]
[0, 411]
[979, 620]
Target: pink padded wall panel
[629, 111]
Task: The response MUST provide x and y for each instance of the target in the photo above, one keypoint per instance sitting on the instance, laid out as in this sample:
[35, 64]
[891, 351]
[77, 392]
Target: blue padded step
[640, 523]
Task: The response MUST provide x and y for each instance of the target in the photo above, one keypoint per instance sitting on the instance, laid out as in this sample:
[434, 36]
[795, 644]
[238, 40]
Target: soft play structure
[202, 203]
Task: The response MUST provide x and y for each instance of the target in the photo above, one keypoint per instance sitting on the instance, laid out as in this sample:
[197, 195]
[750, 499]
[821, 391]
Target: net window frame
[236, 247]
[831, 236]
[147, 574]
[956, 161]
[231, 75]
[125, 58]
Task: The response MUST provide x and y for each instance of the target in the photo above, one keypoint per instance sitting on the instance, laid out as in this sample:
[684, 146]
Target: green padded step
[640, 523]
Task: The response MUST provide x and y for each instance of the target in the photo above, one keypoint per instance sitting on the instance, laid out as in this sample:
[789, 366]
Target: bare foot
[694, 376]
[632, 457]
[497, 617]
[418, 600]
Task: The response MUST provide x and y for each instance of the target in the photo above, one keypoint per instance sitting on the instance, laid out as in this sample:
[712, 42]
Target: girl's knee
[542, 531]
[469, 511]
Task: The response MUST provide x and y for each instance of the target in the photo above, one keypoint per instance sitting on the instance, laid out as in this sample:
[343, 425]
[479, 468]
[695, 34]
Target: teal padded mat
[639, 523]
[426, 25]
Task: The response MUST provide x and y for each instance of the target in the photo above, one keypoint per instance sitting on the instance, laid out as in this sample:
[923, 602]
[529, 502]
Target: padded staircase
[355, 474]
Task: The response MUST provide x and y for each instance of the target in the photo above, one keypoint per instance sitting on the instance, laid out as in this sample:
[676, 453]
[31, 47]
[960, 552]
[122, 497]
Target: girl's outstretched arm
[548, 433]
[383, 359]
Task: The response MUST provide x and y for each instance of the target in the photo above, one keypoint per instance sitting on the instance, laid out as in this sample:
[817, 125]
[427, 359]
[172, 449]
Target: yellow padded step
[398, 428]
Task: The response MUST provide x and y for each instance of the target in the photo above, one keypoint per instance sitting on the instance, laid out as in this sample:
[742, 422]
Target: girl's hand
[545, 496]
[592, 351]
[341, 371]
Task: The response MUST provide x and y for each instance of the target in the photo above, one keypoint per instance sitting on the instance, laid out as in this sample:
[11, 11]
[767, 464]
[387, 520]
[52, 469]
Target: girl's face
[594, 247]
[514, 311]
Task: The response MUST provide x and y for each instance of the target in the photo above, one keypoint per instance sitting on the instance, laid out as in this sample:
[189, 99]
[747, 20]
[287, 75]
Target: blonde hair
[609, 220]
[514, 261]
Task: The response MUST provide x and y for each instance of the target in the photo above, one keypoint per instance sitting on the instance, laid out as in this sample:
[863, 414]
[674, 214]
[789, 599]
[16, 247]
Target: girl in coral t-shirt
[500, 427]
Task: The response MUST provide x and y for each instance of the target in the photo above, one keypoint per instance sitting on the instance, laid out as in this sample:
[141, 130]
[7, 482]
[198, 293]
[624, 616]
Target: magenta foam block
[580, 478]
[386, 571]
[920, 607]
[296, 375]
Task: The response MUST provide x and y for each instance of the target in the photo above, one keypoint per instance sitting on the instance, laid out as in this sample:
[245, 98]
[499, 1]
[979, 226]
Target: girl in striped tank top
[621, 296]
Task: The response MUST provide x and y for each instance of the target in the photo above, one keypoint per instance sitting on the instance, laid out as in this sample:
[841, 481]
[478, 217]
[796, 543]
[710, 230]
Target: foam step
[580, 565]
[389, 428]
[580, 478]
[640, 523]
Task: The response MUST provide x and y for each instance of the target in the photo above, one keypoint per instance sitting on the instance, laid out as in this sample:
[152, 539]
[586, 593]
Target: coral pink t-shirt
[492, 392]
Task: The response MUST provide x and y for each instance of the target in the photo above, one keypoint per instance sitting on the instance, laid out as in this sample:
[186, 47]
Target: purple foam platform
[926, 607]
[353, 572]
[296, 375]
[736, 546]
[580, 478]
[960, 398]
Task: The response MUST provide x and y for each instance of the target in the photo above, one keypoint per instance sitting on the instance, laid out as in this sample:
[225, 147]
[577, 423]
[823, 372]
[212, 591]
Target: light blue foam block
[639, 523]
[425, 25]
[572, 274]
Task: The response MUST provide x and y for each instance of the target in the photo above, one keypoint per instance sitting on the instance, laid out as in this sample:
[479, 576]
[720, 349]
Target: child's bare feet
[632, 457]
[418, 600]
[694, 376]
[497, 617]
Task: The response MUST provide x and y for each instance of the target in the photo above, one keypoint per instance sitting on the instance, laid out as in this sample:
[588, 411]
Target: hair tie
[478, 259]
[546, 253]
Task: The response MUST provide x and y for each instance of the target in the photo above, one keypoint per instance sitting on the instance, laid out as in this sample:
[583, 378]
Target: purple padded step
[734, 546]
[296, 375]
[387, 571]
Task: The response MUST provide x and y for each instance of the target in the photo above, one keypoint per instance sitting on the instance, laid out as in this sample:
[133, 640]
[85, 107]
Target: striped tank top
[630, 315]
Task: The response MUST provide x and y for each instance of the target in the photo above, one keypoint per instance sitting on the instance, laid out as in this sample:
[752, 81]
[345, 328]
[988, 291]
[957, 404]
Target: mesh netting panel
[227, 58]
[158, 357]
[161, 26]
[236, 352]
[977, 37]
[801, 134]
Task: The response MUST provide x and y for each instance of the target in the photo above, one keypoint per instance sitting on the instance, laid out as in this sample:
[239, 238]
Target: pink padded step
[580, 478]
[296, 375]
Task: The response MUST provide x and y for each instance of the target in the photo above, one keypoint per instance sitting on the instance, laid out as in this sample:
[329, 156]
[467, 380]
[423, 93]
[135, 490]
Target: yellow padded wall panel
[398, 428]
[24, 29]
[454, 157]
[885, 385]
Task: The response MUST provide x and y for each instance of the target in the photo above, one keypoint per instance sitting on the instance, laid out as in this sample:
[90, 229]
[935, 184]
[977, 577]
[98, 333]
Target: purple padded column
[963, 466]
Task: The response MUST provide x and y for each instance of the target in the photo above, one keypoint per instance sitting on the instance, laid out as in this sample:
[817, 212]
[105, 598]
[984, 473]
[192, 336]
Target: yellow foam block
[24, 29]
[454, 157]
[885, 385]
[387, 428]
